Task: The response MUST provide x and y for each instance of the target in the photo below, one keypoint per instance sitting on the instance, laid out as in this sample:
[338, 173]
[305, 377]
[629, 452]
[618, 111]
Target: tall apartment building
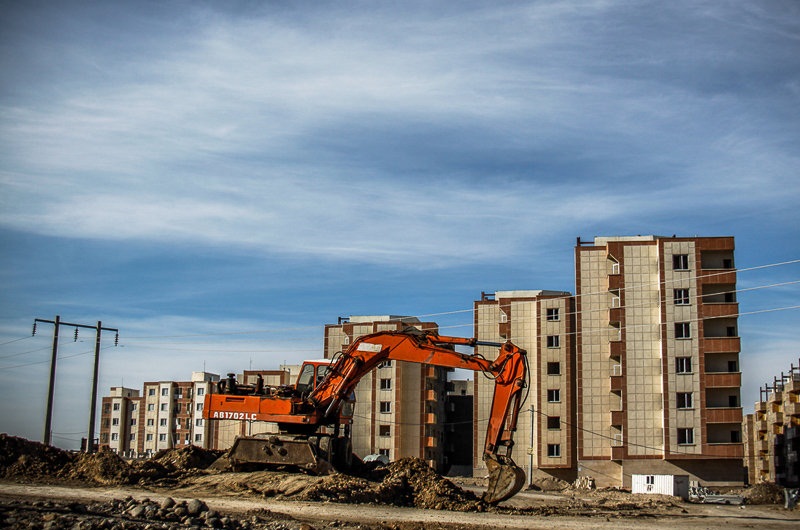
[772, 432]
[657, 352]
[540, 322]
[167, 414]
[399, 408]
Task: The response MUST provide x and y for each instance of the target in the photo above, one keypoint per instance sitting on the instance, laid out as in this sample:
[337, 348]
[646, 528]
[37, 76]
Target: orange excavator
[315, 415]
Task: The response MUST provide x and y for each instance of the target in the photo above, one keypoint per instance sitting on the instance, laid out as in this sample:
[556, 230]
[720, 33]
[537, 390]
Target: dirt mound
[105, 467]
[185, 458]
[21, 458]
[410, 482]
[763, 493]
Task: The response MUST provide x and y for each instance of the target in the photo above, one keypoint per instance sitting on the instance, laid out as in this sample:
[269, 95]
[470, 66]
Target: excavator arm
[509, 372]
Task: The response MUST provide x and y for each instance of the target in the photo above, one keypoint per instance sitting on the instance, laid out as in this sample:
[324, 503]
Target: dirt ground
[42, 487]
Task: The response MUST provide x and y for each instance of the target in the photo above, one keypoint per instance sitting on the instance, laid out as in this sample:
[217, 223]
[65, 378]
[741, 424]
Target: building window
[162, 422]
[554, 422]
[685, 436]
[384, 452]
[114, 436]
[165, 391]
[177, 408]
[149, 437]
[683, 365]
[198, 437]
[116, 406]
[553, 450]
[199, 407]
[151, 391]
[680, 262]
[553, 368]
[162, 437]
[554, 395]
[552, 314]
[114, 421]
[385, 364]
[386, 407]
[134, 406]
[150, 422]
[384, 430]
[198, 422]
[386, 384]
[133, 421]
[163, 407]
[684, 400]
[553, 341]
[201, 391]
[680, 296]
[736, 437]
[132, 437]
[150, 407]
[733, 401]
[683, 330]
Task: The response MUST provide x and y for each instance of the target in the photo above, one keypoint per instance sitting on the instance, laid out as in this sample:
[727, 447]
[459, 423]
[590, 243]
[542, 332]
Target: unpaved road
[696, 517]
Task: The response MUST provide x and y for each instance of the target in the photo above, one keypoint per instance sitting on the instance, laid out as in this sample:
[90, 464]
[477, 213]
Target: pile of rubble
[132, 514]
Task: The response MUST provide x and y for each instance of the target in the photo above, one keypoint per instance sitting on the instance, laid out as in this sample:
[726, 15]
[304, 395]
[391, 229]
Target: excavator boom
[329, 402]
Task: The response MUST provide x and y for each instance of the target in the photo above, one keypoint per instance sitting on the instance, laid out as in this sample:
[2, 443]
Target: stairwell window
[386, 384]
[554, 450]
[684, 400]
[683, 330]
[553, 368]
[680, 262]
[553, 341]
[554, 395]
[554, 423]
[552, 314]
[386, 407]
[683, 365]
[680, 296]
[685, 436]
[384, 430]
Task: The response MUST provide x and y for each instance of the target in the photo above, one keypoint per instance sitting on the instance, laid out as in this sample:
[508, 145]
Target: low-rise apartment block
[772, 432]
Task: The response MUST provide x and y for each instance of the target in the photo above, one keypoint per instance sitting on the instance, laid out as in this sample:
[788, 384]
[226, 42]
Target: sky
[219, 180]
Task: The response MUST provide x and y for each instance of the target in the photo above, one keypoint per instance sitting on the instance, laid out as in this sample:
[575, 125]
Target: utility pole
[49, 414]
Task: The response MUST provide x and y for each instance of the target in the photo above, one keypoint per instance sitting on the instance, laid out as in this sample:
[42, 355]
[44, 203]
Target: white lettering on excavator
[222, 415]
[374, 348]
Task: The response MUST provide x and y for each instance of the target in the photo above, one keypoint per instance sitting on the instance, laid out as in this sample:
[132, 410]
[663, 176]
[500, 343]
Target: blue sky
[219, 180]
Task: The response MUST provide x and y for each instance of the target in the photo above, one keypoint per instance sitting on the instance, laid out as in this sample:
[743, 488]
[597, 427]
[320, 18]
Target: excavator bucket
[505, 479]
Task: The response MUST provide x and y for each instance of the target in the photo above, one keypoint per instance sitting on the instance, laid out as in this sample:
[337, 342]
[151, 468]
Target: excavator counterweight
[314, 416]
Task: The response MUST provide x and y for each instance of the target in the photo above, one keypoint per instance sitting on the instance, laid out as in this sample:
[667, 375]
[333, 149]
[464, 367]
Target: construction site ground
[44, 488]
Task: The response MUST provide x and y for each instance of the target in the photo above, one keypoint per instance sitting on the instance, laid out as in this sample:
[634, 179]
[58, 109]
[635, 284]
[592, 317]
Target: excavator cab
[311, 374]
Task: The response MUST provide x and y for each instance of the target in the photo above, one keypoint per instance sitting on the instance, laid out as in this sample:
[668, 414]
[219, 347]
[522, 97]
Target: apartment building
[540, 322]
[657, 354]
[166, 414]
[772, 432]
[119, 418]
[399, 409]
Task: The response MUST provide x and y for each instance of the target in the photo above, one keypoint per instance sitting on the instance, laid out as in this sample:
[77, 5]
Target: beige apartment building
[166, 414]
[399, 409]
[540, 322]
[772, 432]
[657, 355]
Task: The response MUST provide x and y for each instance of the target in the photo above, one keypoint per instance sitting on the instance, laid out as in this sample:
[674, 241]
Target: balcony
[792, 409]
[724, 415]
[728, 450]
[761, 425]
[430, 441]
[430, 395]
[719, 310]
[724, 380]
[617, 417]
[712, 276]
[762, 446]
[430, 371]
[776, 418]
[616, 349]
[616, 383]
[615, 314]
[615, 282]
[721, 344]
[430, 418]
[618, 453]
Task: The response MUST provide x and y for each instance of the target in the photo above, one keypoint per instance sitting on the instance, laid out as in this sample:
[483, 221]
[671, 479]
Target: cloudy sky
[219, 180]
